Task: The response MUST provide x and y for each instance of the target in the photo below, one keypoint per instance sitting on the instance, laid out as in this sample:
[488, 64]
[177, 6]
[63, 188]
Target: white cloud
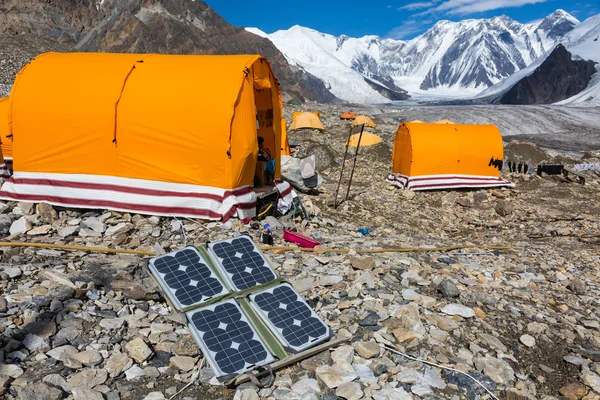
[407, 28]
[418, 6]
[462, 7]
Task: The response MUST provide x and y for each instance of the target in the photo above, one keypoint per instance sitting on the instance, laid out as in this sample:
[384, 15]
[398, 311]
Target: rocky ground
[523, 320]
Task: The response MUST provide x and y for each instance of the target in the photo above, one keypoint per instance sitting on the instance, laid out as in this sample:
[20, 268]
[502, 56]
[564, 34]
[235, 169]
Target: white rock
[81, 393]
[13, 272]
[333, 376]
[67, 230]
[11, 370]
[303, 285]
[39, 230]
[245, 394]
[367, 349]
[118, 229]
[527, 340]
[155, 396]
[349, 391]
[329, 280]
[117, 363]
[409, 376]
[134, 372]
[304, 386]
[94, 224]
[343, 355]
[89, 358]
[459, 309]
[64, 354]
[34, 342]
[21, 225]
[410, 295]
[112, 323]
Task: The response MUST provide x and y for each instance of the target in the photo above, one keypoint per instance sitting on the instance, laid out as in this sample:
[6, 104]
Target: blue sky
[387, 18]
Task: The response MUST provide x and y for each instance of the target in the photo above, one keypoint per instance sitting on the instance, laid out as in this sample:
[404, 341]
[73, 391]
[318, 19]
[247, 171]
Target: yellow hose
[82, 248]
[264, 248]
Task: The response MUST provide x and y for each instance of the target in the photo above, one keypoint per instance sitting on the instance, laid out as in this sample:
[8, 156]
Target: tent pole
[362, 128]
[342, 171]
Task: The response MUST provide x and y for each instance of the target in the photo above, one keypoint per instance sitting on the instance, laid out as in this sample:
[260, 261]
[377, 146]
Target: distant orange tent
[348, 115]
[363, 119]
[306, 120]
[447, 156]
[417, 121]
[367, 139]
[444, 121]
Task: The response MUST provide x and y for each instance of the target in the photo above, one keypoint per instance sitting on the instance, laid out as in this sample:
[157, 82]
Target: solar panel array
[227, 339]
[295, 324]
[190, 278]
[243, 263]
[187, 278]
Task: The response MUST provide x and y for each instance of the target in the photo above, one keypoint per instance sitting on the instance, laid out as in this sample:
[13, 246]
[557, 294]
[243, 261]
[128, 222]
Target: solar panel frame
[163, 278]
[218, 310]
[218, 249]
[278, 331]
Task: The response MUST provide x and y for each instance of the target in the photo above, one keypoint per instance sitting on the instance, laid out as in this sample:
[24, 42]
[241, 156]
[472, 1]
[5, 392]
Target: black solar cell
[186, 277]
[289, 317]
[242, 263]
[230, 343]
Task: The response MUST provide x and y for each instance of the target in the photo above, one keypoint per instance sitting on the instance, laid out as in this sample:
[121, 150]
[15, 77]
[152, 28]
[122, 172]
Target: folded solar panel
[227, 339]
[186, 278]
[241, 263]
[289, 317]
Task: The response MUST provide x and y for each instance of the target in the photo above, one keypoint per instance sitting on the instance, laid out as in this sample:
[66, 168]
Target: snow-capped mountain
[583, 42]
[455, 58]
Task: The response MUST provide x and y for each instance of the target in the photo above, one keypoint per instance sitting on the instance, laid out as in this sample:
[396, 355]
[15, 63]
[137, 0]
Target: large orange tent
[5, 142]
[439, 156]
[363, 119]
[348, 115]
[147, 133]
[306, 120]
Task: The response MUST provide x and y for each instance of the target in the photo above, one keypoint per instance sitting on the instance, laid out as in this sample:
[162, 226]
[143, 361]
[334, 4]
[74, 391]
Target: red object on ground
[301, 240]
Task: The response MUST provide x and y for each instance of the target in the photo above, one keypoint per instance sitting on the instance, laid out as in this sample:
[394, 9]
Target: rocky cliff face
[557, 78]
[150, 26]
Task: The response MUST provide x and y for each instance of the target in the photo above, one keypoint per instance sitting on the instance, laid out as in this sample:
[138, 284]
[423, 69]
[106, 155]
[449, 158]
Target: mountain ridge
[460, 58]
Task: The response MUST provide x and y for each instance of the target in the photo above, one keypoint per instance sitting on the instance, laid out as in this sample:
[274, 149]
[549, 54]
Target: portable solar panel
[227, 339]
[241, 263]
[289, 317]
[186, 278]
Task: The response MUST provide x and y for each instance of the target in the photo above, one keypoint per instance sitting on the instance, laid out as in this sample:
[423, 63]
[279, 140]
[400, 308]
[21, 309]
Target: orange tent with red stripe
[442, 156]
[5, 142]
[147, 133]
[348, 115]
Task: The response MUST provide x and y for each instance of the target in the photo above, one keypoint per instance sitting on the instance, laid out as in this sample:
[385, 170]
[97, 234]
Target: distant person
[263, 154]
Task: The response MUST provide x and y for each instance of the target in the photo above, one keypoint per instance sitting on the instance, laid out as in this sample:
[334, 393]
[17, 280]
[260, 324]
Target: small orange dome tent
[444, 121]
[6, 142]
[306, 120]
[348, 115]
[416, 121]
[447, 156]
[368, 139]
[145, 133]
[363, 119]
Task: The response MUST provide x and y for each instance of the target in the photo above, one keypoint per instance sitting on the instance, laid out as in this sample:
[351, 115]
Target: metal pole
[342, 171]
[362, 127]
